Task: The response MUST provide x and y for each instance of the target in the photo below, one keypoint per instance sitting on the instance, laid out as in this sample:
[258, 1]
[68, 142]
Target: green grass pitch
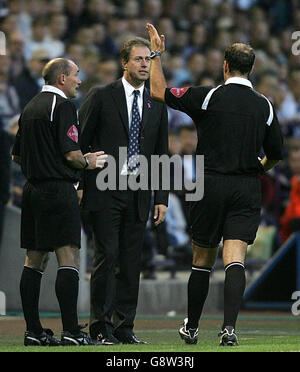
[264, 332]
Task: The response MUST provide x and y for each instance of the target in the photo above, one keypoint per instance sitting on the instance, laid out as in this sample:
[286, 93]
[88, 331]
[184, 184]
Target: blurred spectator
[188, 138]
[108, 70]
[17, 177]
[267, 84]
[16, 50]
[75, 52]
[198, 38]
[38, 39]
[153, 10]
[103, 41]
[290, 107]
[131, 9]
[9, 24]
[213, 64]
[57, 32]
[175, 144]
[9, 101]
[98, 11]
[30, 81]
[166, 27]
[85, 37]
[180, 248]
[74, 11]
[195, 66]
[290, 221]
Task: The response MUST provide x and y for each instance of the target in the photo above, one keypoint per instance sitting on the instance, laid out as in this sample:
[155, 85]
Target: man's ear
[124, 64]
[226, 67]
[61, 79]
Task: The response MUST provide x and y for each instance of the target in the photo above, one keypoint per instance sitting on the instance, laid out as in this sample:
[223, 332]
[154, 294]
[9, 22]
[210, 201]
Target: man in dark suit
[121, 114]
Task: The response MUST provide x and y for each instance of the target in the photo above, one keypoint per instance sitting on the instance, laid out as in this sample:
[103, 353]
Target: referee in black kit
[234, 122]
[47, 148]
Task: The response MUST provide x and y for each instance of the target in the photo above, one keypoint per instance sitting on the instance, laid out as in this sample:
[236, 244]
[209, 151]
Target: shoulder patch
[73, 133]
[179, 92]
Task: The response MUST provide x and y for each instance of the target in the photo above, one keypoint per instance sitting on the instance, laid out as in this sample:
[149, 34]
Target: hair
[187, 127]
[54, 68]
[240, 58]
[130, 43]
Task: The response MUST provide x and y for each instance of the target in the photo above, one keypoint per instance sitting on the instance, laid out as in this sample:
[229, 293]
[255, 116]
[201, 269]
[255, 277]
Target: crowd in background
[197, 33]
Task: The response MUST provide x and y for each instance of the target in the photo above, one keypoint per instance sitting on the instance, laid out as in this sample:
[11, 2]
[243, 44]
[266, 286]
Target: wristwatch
[154, 54]
[86, 162]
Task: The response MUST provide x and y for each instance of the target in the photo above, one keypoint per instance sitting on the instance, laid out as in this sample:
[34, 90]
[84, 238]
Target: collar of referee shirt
[239, 80]
[52, 89]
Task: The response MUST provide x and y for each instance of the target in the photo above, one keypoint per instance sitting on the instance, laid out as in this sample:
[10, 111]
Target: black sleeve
[188, 100]
[65, 118]
[89, 118]
[273, 141]
[161, 148]
[16, 150]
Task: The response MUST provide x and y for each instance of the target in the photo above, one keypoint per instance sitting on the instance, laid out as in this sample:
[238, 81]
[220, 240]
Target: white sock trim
[234, 263]
[201, 269]
[68, 268]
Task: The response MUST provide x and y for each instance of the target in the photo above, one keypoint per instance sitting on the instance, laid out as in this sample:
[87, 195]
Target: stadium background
[197, 33]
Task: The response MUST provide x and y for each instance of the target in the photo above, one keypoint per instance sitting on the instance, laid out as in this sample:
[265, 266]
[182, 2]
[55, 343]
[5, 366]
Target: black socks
[66, 288]
[30, 285]
[234, 287]
[198, 286]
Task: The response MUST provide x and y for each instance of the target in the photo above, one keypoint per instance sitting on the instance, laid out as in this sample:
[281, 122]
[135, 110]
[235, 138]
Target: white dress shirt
[129, 89]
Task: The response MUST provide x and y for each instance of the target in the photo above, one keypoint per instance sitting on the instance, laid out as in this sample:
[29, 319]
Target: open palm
[157, 41]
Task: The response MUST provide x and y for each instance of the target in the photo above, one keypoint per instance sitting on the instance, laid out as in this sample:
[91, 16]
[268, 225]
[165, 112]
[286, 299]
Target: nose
[145, 62]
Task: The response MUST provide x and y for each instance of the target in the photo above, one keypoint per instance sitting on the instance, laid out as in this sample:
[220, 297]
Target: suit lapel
[147, 107]
[120, 100]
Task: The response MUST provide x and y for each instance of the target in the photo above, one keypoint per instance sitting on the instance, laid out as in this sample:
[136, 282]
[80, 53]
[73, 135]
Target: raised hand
[157, 41]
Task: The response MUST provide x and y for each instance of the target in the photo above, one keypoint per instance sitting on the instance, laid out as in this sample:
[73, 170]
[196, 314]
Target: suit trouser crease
[118, 234]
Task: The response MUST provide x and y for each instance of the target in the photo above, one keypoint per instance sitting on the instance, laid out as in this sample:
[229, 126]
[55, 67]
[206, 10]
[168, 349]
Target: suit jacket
[104, 123]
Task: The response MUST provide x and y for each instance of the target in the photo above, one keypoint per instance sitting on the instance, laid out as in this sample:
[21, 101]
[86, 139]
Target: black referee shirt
[48, 129]
[234, 123]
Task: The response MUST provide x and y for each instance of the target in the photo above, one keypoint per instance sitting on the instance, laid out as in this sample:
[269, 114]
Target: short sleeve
[273, 141]
[68, 130]
[188, 99]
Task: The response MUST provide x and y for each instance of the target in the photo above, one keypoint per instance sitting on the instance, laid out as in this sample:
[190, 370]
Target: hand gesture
[96, 159]
[157, 42]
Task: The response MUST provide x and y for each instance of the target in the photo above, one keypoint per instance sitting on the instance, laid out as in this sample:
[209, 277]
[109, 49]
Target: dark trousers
[119, 236]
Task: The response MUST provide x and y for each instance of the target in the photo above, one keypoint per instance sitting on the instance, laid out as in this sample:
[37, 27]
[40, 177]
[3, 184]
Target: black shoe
[189, 335]
[108, 339]
[129, 338]
[80, 338]
[228, 337]
[44, 339]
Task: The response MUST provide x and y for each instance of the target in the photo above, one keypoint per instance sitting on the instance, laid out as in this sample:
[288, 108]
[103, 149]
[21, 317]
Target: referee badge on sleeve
[73, 133]
[178, 92]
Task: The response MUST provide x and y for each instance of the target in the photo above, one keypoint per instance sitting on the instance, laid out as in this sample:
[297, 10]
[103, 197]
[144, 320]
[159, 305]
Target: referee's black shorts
[50, 216]
[230, 209]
